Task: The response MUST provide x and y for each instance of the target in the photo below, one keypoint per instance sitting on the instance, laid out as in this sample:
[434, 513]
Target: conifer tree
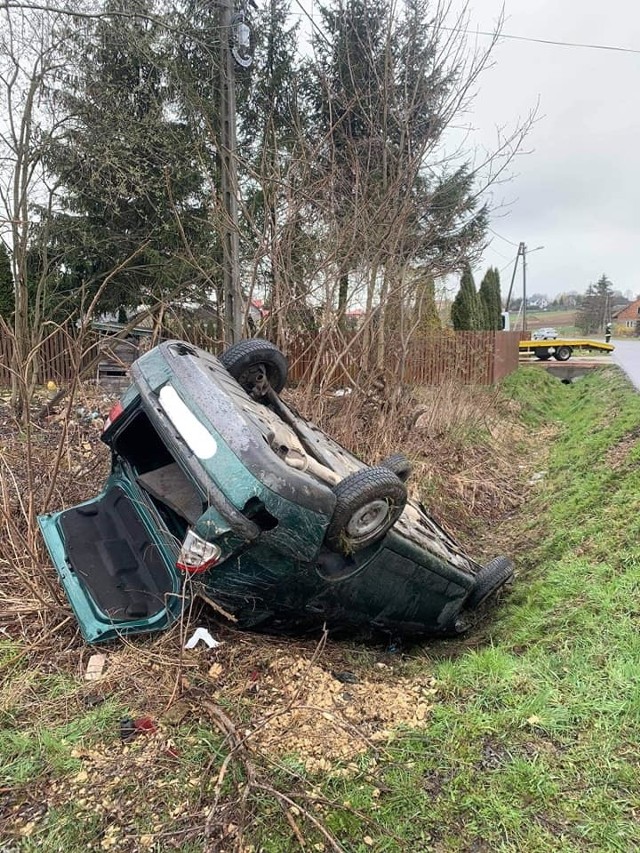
[595, 307]
[466, 309]
[126, 164]
[380, 96]
[490, 300]
[271, 127]
[427, 315]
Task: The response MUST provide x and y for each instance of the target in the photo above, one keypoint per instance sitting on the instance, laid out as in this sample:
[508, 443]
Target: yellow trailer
[561, 348]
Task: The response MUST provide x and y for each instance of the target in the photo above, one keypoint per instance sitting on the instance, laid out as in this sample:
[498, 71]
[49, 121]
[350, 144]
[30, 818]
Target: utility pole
[522, 251]
[232, 293]
[513, 277]
[524, 286]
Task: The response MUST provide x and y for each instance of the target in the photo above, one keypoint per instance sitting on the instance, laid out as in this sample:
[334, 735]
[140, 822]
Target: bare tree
[29, 51]
[388, 197]
[356, 209]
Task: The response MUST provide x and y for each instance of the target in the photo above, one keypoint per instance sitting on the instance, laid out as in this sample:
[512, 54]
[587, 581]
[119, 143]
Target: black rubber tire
[370, 487]
[243, 356]
[489, 580]
[399, 464]
[542, 353]
[563, 354]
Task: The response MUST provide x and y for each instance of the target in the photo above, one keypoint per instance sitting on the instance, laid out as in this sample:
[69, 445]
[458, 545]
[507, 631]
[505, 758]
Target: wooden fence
[55, 358]
[477, 358]
[330, 359]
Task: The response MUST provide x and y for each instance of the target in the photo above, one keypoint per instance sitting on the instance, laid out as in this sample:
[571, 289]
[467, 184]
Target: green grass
[69, 780]
[532, 741]
[532, 747]
[31, 744]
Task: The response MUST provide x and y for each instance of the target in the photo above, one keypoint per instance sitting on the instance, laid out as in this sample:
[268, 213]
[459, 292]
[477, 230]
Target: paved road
[627, 356]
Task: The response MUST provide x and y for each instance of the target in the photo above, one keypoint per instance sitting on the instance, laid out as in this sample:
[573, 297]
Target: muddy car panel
[376, 589]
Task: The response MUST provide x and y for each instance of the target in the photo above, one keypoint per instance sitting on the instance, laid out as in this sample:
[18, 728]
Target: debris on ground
[145, 725]
[201, 635]
[215, 671]
[130, 728]
[95, 667]
[328, 723]
[127, 729]
[345, 677]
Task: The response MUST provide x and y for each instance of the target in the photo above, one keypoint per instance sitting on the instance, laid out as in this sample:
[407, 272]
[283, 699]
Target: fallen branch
[254, 782]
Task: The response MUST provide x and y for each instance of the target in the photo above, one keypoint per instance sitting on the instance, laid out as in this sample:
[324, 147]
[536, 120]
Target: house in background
[540, 302]
[627, 318]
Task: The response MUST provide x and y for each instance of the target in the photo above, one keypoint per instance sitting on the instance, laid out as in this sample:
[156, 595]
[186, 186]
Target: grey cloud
[577, 192]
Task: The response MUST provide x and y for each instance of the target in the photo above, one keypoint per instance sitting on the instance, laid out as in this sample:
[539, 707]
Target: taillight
[197, 555]
[114, 414]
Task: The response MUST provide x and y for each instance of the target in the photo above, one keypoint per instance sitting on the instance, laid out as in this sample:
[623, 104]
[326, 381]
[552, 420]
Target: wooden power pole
[513, 277]
[233, 308]
[523, 249]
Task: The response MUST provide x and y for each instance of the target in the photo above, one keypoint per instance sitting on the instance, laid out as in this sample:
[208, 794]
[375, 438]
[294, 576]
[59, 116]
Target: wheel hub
[367, 519]
[255, 381]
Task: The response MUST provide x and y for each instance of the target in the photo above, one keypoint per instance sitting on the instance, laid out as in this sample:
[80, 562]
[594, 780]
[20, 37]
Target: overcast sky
[577, 192]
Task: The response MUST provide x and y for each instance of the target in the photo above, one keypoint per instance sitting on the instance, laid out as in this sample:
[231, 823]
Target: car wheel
[257, 365]
[542, 353]
[399, 464]
[368, 504]
[563, 353]
[489, 580]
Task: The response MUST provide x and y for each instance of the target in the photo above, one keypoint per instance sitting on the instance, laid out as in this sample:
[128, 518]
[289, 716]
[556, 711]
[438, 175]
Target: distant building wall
[629, 316]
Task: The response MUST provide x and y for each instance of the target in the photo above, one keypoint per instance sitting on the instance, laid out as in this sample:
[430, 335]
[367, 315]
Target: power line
[506, 240]
[542, 41]
[495, 35]
[506, 266]
[313, 23]
[499, 254]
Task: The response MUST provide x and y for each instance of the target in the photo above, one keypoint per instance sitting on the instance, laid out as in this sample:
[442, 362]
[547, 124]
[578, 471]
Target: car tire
[489, 580]
[563, 354]
[368, 504]
[399, 464]
[542, 353]
[253, 361]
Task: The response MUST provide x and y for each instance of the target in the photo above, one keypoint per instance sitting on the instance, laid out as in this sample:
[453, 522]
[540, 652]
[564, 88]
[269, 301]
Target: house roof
[629, 312]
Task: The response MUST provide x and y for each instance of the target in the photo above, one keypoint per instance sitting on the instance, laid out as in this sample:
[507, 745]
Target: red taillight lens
[114, 414]
[197, 555]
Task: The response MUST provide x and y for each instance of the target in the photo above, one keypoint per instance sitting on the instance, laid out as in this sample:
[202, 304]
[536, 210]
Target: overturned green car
[216, 481]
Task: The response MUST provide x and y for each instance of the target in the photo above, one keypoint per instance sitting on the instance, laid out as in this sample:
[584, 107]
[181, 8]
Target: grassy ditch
[533, 748]
[522, 736]
[532, 742]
